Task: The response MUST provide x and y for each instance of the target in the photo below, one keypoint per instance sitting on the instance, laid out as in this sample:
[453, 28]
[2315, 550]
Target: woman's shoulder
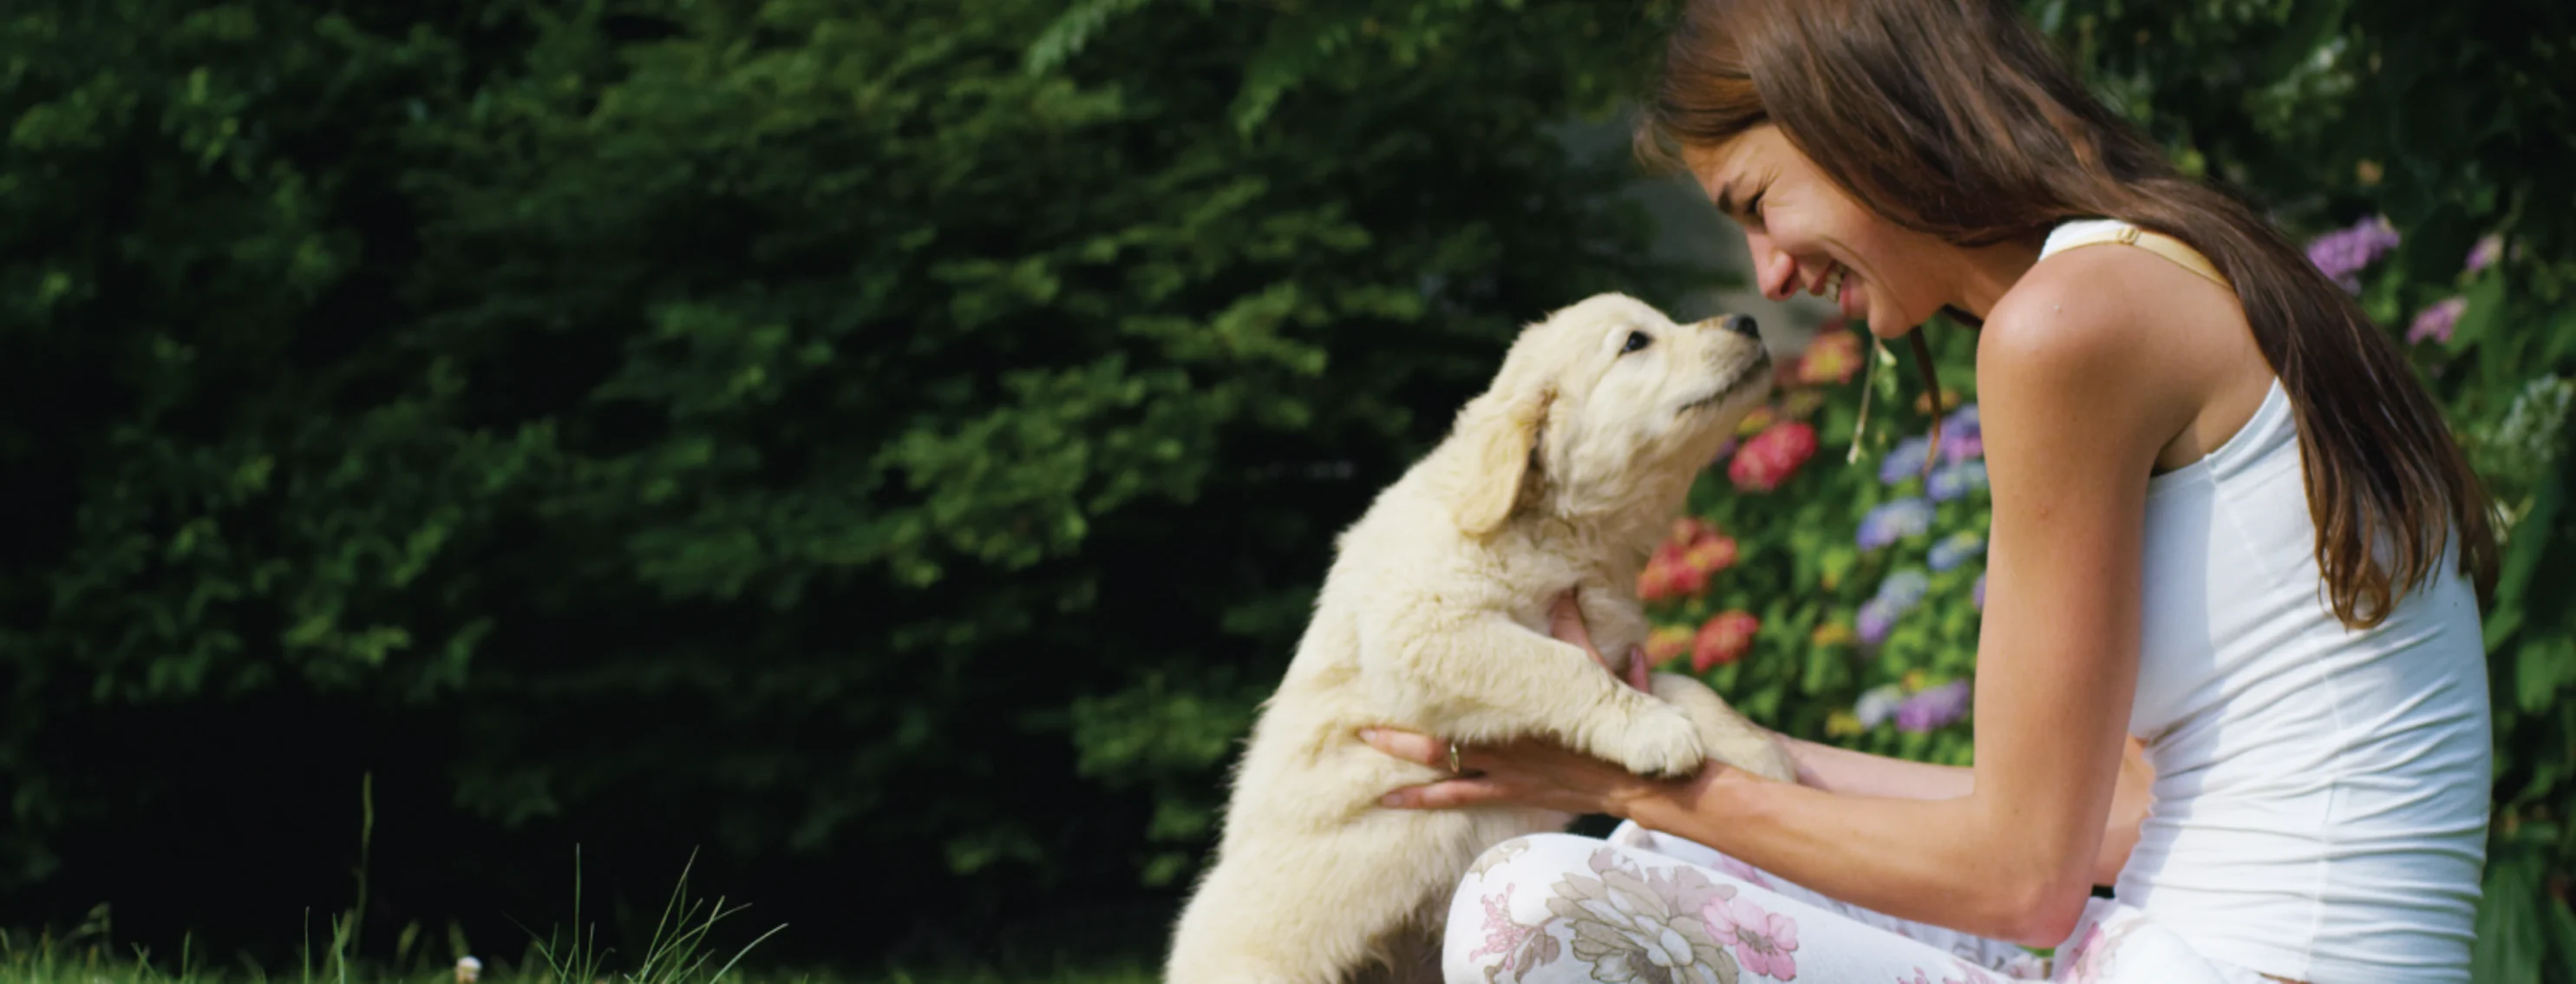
[2136, 326]
[2114, 340]
[2087, 312]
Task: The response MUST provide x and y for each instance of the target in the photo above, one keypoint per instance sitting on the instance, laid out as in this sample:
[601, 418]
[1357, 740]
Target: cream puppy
[1563, 475]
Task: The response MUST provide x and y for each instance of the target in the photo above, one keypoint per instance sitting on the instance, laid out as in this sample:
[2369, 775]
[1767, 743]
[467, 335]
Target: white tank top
[2321, 793]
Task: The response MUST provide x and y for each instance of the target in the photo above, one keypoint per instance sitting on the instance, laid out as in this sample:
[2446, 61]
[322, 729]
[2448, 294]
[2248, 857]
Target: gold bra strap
[2154, 242]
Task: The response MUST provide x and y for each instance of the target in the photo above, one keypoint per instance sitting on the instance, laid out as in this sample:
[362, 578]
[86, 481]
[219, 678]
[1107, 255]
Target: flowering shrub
[1772, 455]
[1836, 600]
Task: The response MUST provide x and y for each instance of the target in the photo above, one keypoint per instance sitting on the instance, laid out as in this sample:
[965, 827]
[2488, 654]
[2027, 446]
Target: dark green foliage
[895, 438]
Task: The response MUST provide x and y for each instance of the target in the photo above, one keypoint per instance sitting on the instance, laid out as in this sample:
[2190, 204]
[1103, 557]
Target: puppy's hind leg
[1329, 908]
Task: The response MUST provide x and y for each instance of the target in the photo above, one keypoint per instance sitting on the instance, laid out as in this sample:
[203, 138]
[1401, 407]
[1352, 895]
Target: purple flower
[1876, 619]
[1904, 589]
[1904, 461]
[1877, 704]
[1977, 595]
[1961, 436]
[1956, 549]
[2344, 253]
[1932, 708]
[1893, 521]
[2489, 249]
[1956, 480]
[1897, 595]
[2435, 322]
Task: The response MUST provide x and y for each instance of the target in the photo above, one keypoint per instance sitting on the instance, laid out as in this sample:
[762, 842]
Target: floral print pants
[1656, 909]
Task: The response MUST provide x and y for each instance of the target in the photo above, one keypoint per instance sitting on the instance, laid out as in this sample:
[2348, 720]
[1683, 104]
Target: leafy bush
[890, 441]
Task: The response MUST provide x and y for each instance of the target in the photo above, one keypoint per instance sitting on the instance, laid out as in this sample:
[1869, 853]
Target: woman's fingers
[1411, 746]
[1565, 622]
[1445, 795]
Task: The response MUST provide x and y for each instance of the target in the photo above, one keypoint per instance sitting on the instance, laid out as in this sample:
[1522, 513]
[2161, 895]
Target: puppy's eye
[1636, 340]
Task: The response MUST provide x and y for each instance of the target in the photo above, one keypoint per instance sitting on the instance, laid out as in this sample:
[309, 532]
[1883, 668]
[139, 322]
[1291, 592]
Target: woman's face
[1805, 234]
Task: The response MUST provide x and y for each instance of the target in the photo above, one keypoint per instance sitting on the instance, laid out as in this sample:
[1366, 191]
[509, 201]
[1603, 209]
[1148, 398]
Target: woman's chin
[1884, 325]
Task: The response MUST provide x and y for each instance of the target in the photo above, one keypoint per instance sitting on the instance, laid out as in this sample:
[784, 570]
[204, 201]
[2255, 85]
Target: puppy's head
[1606, 405]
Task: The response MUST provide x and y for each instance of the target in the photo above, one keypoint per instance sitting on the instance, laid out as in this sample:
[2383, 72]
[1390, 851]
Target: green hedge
[892, 440]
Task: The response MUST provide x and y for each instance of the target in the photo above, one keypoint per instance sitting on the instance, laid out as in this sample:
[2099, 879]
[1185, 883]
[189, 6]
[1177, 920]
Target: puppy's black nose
[1741, 324]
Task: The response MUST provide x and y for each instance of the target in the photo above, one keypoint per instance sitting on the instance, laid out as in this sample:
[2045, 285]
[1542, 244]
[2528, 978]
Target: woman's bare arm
[1842, 770]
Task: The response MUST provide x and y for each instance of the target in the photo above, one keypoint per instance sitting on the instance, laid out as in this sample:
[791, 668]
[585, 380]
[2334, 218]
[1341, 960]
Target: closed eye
[1636, 340]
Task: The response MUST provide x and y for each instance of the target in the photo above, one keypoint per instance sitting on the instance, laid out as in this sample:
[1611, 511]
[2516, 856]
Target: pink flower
[1723, 639]
[1667, 642]
[1713, 554]
[1501, 933]
[1831, 358]
[1681, 565]
[1918, 978]
[1764, 942]
[1973, 975]
[1673, 579]
[2435, 322]
[2489, 248]
[1688, 530]
[1773, 456]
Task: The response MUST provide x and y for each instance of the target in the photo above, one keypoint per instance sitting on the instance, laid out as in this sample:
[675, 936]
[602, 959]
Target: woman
[2227, 521]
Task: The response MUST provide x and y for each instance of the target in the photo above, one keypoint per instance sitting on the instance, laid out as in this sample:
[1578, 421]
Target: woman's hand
[1526, 772]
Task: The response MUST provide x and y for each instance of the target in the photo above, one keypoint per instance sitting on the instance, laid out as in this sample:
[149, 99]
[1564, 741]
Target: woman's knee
[1500, 911]
[1540, 908]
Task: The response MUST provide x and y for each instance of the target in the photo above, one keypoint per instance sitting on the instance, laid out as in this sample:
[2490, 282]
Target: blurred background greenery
[889, 446]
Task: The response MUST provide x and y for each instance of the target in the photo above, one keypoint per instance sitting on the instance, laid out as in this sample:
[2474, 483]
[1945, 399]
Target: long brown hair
[1957, 119]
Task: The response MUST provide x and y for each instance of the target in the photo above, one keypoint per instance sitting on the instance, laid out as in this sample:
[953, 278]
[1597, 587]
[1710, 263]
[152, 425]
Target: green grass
[678, 957]
[112, 972]
[682, 951]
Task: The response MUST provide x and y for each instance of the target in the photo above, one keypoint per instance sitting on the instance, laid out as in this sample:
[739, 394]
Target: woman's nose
[1773, 271]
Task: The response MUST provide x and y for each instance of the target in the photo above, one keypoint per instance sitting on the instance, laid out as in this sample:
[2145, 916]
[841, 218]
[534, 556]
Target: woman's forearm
[1842, 770]
[1954, 868]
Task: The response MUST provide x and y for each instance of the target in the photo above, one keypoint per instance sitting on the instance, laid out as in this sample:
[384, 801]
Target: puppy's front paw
[1661, 742]
[1729, 736]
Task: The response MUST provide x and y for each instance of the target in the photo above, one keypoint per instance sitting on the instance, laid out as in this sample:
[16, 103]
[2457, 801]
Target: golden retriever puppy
[1433, 617]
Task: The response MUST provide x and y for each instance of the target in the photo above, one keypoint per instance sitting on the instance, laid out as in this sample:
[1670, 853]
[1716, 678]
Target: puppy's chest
[1605, 594]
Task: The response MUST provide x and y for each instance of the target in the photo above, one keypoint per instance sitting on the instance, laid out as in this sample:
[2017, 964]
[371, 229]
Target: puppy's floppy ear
[1503, 443]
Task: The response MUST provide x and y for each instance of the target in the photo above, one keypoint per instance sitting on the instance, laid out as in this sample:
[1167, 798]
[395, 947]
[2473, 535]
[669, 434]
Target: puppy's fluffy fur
[1434, 618]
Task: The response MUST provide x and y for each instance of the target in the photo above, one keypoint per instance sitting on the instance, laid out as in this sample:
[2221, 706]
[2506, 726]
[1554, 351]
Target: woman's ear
[1504, 452]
